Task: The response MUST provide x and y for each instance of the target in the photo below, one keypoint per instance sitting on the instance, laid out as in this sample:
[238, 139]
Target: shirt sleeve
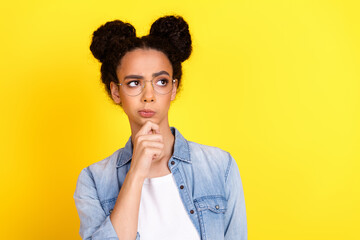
[94, 224]
[235, 216]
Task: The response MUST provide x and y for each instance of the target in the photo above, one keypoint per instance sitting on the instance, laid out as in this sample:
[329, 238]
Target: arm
[235, 216]
[126, 209]
[148, 146]
[122, 222]
[94, 224]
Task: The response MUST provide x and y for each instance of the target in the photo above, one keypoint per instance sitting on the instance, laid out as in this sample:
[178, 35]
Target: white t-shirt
[162, 214]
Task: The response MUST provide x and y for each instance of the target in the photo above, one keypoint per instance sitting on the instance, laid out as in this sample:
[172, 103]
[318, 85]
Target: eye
[162, 82]
[133, 83]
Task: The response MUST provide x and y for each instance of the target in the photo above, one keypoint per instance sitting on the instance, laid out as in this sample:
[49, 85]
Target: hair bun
[108, 34]
[176, 30]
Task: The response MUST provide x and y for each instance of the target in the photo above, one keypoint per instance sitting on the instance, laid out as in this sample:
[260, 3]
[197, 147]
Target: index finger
[149, 128]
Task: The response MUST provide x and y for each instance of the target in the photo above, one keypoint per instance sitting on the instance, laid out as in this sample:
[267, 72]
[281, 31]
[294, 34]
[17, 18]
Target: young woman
[159, 185]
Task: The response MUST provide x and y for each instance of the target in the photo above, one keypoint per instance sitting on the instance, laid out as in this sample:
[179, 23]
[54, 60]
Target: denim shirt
[211, 191]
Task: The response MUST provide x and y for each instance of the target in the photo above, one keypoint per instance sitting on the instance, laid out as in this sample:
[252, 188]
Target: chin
[142, 121]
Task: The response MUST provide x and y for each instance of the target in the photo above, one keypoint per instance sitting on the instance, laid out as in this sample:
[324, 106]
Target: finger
[152, 151]
[156, 156]
[149, 127]
[152, 144]
[154, 131]
[150, 137]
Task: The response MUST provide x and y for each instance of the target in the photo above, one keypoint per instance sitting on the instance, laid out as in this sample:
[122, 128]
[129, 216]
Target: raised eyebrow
[161, 73]
[133, 77]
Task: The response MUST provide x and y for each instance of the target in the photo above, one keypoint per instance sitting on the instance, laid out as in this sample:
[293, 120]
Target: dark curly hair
[111, 41]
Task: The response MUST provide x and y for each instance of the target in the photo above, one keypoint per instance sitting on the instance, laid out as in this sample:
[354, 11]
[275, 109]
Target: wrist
[135, 177]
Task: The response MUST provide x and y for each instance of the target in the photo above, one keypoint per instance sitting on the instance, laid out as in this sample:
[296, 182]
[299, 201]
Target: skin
[151, 137]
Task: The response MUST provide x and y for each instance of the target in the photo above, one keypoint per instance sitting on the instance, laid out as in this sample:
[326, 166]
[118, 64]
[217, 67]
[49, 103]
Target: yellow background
[275, 83]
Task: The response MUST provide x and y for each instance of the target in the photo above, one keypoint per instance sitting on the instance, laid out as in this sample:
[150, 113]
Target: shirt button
[192, 211]
[182, 187]
[172, 162]
[110, 211]
[217, 206]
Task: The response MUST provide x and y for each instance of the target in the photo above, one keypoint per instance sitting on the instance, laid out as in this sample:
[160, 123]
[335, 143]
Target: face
[138, 65]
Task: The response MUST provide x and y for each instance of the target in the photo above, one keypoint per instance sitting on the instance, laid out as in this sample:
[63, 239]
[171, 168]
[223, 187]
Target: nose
[148, 94]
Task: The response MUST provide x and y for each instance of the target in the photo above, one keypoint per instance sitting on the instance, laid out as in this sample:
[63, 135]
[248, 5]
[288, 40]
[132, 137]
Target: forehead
[143, 62]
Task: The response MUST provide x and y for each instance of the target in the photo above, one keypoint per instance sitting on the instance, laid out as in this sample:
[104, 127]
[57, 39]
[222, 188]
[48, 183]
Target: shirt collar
[181, 149]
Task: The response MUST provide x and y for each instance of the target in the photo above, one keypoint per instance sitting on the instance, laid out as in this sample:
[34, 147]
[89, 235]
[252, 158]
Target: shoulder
[206, 149]
[105, 164]
[209, 156]
[101, 169]
[99, 180]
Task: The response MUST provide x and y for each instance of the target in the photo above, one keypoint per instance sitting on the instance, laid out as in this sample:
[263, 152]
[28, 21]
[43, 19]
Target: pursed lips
[146, 113]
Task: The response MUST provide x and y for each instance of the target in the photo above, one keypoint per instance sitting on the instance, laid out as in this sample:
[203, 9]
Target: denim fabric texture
[212, 191]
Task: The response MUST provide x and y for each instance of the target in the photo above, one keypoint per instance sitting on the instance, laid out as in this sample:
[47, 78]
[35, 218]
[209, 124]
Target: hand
[148, 146]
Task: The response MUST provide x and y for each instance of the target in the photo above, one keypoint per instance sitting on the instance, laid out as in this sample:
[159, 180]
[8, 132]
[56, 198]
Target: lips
[146, 113]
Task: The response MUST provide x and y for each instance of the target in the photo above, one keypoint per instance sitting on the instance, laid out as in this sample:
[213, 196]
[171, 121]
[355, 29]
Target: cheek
[127, 103]
[166, 101]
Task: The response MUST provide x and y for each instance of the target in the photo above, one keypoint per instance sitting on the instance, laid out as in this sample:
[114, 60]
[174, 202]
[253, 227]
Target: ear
[115, 95]
[173, 91]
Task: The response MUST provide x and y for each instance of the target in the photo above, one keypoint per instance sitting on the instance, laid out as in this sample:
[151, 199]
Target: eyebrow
[161, 73]
[141, 77]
